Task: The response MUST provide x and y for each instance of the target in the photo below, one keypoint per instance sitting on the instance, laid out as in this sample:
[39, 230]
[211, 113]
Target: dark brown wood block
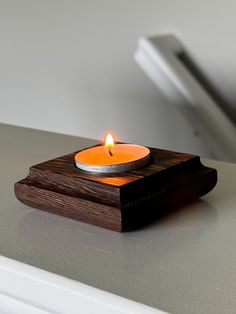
[120, 202]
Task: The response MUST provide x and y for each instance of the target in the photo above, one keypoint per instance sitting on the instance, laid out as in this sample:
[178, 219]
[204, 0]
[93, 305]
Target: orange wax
[124, 157]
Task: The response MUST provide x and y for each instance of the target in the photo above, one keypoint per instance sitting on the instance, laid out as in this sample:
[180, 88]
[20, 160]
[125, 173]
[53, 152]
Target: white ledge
[29, 290]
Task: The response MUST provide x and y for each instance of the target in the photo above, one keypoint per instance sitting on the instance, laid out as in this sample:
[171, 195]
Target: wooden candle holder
[120, 202]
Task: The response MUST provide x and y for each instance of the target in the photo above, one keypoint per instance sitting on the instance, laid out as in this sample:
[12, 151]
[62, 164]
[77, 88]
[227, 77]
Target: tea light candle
[112, 158]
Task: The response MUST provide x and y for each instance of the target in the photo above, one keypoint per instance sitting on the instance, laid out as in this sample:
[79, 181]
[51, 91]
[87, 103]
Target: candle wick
[110, 153]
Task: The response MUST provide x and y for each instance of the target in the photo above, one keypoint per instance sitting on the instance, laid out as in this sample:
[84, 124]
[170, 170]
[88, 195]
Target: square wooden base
[120, 202]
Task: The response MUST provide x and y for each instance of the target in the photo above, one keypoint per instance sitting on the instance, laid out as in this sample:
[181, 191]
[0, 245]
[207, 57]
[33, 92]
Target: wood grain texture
[120, 202]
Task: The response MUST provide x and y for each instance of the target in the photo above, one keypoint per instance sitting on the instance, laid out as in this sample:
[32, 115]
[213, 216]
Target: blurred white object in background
[168, 65]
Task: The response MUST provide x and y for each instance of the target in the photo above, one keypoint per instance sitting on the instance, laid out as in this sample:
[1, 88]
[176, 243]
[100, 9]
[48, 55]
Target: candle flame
[109, 144]
[109, 141]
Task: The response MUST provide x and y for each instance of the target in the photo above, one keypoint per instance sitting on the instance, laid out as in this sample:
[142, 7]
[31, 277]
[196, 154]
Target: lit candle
[112, 158]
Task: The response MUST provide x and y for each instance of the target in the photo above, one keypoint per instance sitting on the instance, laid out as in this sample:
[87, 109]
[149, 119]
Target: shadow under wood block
[122, 201]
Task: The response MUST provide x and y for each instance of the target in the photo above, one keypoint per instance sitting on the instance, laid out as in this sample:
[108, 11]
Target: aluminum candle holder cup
[126, 157]
[121, 201]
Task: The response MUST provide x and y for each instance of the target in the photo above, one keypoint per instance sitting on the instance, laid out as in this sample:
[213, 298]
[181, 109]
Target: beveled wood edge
[76, 208]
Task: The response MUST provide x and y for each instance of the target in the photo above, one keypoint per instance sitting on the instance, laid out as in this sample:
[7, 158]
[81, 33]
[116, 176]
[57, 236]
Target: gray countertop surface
[183, 263]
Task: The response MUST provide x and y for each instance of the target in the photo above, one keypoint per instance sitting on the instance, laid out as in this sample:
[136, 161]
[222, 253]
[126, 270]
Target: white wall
[68, 66]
